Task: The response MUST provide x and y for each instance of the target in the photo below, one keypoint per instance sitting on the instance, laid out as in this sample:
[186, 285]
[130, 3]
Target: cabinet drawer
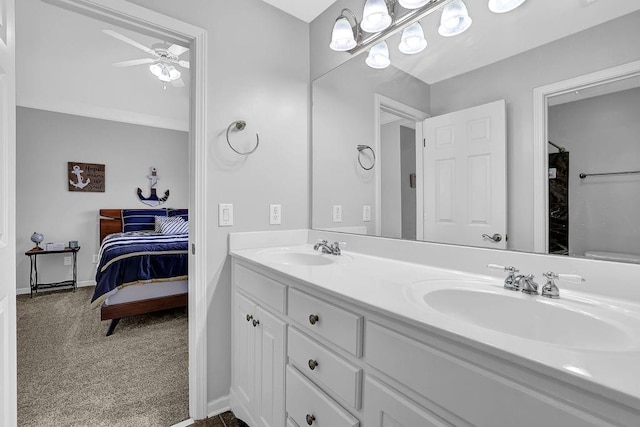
[307, 405]
[261, 287]
[325, 367]
[480, 397]
[384, 407]
[333, 323]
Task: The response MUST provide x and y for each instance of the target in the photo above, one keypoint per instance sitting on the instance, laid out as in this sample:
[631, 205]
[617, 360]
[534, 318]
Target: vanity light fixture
[164, 72]
[412, 40]
[375, 17]
[455, 19]
[503, 6]
[412, 4]
[379, 56]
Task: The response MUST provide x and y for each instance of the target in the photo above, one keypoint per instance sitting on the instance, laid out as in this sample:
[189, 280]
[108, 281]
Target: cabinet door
[244, 350]
[386, 408]
[270, 362]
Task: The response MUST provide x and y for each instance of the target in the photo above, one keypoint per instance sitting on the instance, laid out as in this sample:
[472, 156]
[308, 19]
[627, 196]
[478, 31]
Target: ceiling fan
[164, 56]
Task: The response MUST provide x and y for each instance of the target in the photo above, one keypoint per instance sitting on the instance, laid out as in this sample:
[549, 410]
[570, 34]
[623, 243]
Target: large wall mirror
[386, 142]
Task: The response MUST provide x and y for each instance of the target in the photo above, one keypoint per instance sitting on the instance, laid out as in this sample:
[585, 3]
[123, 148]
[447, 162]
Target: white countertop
[383, 285]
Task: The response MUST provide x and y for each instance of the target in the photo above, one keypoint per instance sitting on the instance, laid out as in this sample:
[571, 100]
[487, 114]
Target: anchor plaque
[86, 177]
[153, 199]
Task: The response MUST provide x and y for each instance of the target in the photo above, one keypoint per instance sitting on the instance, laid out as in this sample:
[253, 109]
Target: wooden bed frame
[111, 222]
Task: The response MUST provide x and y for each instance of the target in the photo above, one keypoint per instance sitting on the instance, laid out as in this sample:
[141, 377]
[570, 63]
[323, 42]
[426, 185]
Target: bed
[141, 270]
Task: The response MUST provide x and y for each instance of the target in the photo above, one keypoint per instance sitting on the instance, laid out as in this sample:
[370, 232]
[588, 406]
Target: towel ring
[361, 148]
[240, 125]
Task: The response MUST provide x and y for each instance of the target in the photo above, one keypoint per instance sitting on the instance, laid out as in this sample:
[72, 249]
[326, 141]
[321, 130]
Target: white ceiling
[305, 10]
[63, 64]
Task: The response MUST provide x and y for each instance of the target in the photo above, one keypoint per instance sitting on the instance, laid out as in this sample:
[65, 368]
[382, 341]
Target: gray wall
[261, 77]
[46, 141]
[601, 135]
[391, 197]
[514, 79]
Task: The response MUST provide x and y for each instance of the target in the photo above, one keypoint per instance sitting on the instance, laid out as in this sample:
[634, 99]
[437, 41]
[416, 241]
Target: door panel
[244, 351]
[464, 161]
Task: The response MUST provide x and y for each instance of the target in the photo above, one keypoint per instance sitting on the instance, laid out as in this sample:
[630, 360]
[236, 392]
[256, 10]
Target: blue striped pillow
[183, 213]
[140, 219]
[175, 225]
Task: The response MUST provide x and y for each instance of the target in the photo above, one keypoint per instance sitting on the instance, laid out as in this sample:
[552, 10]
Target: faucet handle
[574, 279]
[510, 282]
[496, 267]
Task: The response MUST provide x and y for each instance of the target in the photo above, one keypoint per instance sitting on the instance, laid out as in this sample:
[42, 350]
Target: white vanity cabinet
[317, 359]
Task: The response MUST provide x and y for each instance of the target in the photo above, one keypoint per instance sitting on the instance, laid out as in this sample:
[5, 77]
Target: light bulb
[503, 6]
[375, 16]
[342, 36]
[412, 40]
[379, 56]
[455, 19]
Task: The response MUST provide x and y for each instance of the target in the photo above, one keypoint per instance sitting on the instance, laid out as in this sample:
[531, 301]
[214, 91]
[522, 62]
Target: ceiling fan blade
[178, 83]
[129, 41]
[184, 64]
[177, 50]
[133, 62]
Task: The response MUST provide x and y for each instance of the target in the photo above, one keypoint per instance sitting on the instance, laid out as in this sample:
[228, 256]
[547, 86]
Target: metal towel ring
[240, 125]
[361, 148]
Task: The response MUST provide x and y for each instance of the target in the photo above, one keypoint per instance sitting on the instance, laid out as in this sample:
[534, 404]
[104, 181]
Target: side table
[33, 275]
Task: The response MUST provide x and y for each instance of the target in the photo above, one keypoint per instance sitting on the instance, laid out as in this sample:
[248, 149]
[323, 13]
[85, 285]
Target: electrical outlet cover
[275, 214]
[337, 213]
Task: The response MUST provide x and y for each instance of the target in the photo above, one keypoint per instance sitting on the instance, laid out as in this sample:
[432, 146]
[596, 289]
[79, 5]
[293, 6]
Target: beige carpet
[70, 374]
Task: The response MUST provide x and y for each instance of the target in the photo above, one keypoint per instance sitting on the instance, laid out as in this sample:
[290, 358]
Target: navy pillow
[140, 219]
[183, 213]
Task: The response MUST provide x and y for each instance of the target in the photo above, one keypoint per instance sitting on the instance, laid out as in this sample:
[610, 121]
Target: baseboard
[83, 284]
[218, 406]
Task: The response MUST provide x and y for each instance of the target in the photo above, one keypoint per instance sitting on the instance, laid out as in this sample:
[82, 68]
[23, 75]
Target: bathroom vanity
[360, 339]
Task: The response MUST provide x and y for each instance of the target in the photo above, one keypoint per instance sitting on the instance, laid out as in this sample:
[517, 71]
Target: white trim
[126, 14]
[185, 423]
[381, 102]
[218, 406]
[82, 284]
[540, 137]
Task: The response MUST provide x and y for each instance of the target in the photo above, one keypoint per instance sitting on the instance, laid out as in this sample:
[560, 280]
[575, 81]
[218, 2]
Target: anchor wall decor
[86, 177]
[153, 199]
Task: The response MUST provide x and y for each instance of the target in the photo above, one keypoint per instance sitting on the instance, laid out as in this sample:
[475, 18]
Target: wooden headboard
[110, 222]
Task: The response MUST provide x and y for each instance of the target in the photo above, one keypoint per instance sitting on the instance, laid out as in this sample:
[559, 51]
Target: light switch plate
[366, 213]
[337, 213]
[275, 214]
[225, 214]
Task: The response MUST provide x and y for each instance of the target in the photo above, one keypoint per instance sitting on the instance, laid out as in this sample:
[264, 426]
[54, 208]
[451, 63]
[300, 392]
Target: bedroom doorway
[124, 14]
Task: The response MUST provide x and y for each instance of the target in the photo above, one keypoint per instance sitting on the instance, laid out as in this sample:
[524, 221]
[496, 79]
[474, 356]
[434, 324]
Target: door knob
[496, 237]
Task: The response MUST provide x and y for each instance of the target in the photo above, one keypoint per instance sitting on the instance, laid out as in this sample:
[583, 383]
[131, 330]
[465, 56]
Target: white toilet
[612, 256]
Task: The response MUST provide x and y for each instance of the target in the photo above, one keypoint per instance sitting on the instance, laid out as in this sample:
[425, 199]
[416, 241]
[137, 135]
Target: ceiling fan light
[455, 19]
[503, 6]
[156, 69]
[173, 73]
[375, 16]
[412, 40]
[342, 36]
[413, 4]
[379, 56]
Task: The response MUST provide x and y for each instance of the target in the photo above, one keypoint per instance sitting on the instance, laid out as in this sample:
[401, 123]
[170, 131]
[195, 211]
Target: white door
[7, 216]
[464, 161]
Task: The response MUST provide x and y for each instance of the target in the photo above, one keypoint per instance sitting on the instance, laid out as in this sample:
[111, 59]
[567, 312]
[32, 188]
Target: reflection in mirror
[594, 172]
[501, 57]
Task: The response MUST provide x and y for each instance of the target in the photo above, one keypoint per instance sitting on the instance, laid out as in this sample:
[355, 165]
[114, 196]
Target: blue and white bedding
[139, 257]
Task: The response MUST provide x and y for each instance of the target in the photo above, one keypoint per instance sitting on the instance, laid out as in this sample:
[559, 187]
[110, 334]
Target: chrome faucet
[511, 282]
[527, 285]
[550, 290]
[332, 249]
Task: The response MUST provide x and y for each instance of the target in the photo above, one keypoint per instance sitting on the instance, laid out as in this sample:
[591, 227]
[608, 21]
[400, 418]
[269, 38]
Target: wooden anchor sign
[153, 199]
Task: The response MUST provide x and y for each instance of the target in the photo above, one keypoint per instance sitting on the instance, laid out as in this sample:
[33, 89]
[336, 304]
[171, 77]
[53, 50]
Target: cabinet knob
[310, 419]
[313, 364]
[249, 317]
[313, 318]
[256, 322]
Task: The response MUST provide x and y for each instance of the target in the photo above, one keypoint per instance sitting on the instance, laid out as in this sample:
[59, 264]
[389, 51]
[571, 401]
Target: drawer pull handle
[313, 319]
[310, 419]
[313, 364]
[256, 322]
[249, 317]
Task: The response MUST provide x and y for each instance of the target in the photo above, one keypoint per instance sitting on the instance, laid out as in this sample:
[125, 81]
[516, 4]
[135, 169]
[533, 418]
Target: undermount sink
[566, 322]
[301, 257]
